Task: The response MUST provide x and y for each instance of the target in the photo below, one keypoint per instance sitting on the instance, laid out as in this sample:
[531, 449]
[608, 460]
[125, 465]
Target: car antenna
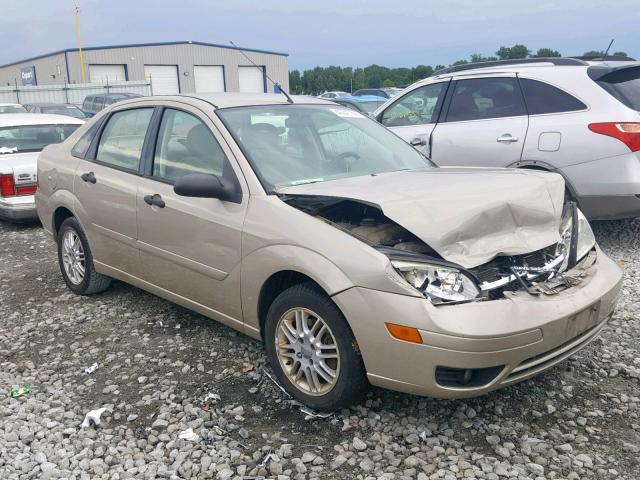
[275, 84]
[608, 48]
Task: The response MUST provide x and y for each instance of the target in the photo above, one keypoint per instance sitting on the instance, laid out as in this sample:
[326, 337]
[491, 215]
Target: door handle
[506, 138]
[88, 177]
[154, 199]
[417, 142]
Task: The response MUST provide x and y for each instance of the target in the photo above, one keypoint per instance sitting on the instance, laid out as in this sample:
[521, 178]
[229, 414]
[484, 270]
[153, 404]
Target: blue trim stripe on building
[137, 45]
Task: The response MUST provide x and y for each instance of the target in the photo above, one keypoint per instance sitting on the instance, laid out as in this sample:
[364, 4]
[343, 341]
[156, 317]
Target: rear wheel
[76, 261]
[312, 350]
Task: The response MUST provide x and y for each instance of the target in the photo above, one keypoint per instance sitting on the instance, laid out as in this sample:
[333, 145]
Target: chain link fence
[74, 93]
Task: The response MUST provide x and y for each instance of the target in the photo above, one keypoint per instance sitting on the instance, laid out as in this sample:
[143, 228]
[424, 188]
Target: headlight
[585, 240]
[437, 282]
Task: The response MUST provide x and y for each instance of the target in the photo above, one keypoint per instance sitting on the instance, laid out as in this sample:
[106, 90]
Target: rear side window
[185, 145]
[122, 138]
[544, 98]
[79, 150]
[624, 85]
[88, 103]
[484, 98]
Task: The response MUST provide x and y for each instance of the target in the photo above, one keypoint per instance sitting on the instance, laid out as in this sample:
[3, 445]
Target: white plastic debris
[90, 369]
[313, 414]
[189, 434]
[92, 417]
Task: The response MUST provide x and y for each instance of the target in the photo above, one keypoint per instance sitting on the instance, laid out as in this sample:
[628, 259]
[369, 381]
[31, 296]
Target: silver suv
[575, 117]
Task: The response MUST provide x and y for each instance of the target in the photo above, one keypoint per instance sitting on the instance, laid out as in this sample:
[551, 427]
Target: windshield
[32, 138]
[68, 110]
[295, 144]
[12, 109]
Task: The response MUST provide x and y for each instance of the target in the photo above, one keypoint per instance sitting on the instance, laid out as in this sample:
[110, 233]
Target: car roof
[48, 104]
[21, 119]
[234, 99]
[10, 105]
[362, 98]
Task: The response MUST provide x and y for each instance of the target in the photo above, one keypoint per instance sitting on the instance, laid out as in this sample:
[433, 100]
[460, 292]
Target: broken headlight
[576, 237]
[437, 282]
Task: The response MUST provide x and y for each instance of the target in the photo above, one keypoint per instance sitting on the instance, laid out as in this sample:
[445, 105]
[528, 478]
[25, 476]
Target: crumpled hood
[467, 215]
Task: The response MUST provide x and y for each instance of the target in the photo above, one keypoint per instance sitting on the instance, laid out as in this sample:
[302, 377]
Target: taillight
[627, 133]
[26, 190]
[7, 185]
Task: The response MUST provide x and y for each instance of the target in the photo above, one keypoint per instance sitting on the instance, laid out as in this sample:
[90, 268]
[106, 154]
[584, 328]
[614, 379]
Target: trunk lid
[467, 215]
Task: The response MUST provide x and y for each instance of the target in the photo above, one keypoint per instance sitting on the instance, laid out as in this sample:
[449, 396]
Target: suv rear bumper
[606, 189]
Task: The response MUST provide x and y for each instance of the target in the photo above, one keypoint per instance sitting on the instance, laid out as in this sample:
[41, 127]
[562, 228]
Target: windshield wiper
[305, 181]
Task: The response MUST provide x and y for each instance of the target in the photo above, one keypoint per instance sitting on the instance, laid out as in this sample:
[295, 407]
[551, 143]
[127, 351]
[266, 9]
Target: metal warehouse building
[172, 67]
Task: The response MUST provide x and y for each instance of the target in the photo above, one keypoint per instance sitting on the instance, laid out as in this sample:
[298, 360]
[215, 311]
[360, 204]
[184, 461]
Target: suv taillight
[627, 133]
[7, 185]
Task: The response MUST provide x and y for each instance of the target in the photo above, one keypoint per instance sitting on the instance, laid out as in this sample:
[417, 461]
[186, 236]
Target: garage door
[251, 79]
[164, 79]
[106, 73]
[209, 78]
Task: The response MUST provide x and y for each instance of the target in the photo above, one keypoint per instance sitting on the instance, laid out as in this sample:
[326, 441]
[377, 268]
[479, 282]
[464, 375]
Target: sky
[328, 32]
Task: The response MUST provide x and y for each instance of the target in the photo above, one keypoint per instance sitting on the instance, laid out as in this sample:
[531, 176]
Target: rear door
[413, 116]
[484, 123]
[191, 246]
[106, 185]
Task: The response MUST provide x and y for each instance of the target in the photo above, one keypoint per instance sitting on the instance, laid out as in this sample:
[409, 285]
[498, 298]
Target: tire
[90, 281]
[349, 383]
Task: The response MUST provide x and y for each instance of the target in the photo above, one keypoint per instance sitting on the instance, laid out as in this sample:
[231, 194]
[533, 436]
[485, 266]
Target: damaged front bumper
[488, 344]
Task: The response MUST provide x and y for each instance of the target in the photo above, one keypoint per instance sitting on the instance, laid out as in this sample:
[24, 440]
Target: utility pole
[77, 12]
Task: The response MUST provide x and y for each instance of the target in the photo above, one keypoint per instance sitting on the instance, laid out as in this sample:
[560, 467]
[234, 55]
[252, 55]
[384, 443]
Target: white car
[332, 95]
[22, 137]
[12, 108]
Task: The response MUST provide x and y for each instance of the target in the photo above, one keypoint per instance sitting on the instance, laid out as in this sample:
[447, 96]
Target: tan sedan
[310, 226]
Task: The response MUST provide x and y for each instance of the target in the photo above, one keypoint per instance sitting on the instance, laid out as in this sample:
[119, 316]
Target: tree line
[347, 79]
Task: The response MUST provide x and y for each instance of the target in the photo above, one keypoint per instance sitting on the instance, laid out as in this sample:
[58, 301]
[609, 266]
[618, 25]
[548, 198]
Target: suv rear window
[544, 98]
[624, 85]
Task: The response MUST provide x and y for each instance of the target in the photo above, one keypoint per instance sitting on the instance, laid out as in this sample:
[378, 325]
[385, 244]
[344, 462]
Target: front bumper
[18, 209]
[523, 335]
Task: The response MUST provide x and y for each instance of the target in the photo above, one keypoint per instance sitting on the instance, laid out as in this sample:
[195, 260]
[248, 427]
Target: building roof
[135, 45]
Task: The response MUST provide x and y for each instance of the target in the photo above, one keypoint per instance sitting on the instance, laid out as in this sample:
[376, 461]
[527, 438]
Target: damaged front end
[547, 271]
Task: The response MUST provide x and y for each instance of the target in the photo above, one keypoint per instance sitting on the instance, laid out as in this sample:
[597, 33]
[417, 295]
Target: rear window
[32, 138]
[624, 85]
[544, 98]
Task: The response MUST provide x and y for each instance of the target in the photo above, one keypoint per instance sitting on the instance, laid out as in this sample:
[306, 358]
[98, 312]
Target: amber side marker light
[408, 334]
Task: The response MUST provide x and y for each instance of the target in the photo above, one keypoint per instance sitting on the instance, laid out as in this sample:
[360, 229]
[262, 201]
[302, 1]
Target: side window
[544, 98]
[186, 145]
[98, 103]
[417, 107]
[122, 138]
[484, 98]
[87, 104]
[79, 150]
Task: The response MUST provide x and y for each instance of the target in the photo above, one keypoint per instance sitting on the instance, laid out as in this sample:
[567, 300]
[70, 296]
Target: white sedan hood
[467, 215]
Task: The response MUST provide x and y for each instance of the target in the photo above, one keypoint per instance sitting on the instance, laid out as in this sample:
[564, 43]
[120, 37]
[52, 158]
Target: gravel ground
[163, 370]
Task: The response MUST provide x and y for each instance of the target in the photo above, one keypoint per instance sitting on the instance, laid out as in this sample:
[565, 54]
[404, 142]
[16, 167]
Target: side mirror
[208, 186]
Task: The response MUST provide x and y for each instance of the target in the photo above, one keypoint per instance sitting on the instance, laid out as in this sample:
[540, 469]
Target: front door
[106, 185]
[484, 124]
[191, 246]
[414, 115]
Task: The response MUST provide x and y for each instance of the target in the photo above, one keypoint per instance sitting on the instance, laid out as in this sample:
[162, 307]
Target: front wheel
[76, 261]
[312, 350]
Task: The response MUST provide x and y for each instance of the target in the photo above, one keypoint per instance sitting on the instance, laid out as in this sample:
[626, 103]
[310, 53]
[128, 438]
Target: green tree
[295, 82]
[478, 58]
[593, 53]
[517, 51]
[388, 83]
[459, 62]
[620, 54]
[547, 53]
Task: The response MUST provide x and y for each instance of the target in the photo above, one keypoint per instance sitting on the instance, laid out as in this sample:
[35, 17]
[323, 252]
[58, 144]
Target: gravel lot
[157, 363]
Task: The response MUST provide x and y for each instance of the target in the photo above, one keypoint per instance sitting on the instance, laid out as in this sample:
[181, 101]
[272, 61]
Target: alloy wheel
[73, 257]
[307, 351]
